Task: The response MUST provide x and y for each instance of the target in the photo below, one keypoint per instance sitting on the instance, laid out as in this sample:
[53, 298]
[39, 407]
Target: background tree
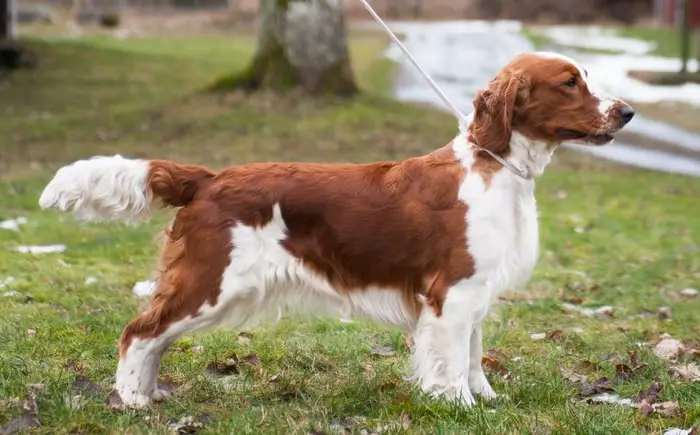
[301, 43]
[5, 19]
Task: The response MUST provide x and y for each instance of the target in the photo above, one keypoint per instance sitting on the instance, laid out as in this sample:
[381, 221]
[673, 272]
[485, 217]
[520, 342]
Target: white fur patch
[101, 189]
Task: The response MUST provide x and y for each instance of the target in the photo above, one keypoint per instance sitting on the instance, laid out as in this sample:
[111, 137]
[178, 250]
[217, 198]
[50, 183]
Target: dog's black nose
[627, 113]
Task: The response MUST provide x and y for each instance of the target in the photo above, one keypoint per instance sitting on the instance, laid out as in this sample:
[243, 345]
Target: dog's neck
[531, 156]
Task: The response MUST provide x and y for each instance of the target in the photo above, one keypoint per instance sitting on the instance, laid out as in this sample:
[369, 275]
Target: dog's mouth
[578, 136]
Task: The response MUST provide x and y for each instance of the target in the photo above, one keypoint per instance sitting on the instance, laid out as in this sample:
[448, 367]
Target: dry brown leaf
[555, 335]
[244, 338]
[664, 313]
[570, 375]
[227, 367]
[688, 372]
[576, 300]
[493, 366]
[251, 359]
[602, 385]
[651, 394]
[667, 409]
[669, 349]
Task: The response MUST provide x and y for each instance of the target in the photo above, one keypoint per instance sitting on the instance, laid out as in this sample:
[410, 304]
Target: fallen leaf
[189, 424]
[669, 349]
[493, 366]
[664, 313]
[651, 394]
[688, 373]
[227, 367]
[667, 409]
[555, 335]
[589, 365]
[602, 385]
[197, 349]
[634, 358]
[622, 373]
[73, 366]
[382, 351]
[252, 359]
[570, 375]
[83, 384]
[244, 338]
[575, 300]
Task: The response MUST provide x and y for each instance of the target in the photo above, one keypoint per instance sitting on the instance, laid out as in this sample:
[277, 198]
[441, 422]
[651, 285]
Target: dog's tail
[115, 188]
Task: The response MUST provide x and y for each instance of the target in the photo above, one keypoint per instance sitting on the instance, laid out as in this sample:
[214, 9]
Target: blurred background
[224, 82]
[645, 51]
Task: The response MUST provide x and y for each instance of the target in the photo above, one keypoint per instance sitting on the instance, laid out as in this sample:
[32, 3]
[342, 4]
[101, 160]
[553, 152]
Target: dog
[426, 244]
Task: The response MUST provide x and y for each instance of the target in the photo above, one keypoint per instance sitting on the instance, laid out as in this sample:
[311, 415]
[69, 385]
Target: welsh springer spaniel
[426, 244]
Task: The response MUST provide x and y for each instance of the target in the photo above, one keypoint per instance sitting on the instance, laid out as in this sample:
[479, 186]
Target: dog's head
[545, 97]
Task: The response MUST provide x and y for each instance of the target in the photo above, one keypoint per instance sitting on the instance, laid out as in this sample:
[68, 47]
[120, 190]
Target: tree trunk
[685, 34]
[6, 20]
[301, 43]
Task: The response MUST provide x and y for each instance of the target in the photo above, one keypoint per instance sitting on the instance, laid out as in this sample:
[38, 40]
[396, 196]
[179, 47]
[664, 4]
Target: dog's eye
[571, 83]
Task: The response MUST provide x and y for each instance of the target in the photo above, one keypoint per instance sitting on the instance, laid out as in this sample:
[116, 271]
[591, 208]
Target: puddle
[462, 56]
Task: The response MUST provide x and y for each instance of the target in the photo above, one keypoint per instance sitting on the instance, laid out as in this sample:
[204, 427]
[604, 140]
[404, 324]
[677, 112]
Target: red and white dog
[424, 244]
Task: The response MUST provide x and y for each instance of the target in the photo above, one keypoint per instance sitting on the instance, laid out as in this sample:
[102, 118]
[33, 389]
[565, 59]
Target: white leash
[458, 114]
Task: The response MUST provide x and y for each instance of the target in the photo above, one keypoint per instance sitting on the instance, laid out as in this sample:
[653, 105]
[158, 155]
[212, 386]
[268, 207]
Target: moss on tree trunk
[291, 54]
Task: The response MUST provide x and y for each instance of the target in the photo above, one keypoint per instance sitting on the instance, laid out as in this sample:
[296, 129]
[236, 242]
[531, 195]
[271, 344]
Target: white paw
[132, 398]
[482, 387]
[464, 397]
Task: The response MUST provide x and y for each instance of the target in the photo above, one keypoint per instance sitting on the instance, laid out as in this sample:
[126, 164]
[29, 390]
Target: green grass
[637, 244]
[667, 40]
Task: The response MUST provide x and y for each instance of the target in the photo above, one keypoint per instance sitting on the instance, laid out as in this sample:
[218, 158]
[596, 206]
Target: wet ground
[462, 56]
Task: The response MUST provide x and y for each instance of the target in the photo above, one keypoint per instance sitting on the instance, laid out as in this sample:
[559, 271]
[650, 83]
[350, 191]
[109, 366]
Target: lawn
[610, 235]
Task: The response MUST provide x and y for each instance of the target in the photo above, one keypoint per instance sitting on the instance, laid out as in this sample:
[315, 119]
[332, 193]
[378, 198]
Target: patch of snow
[40, 249]
[144, 289]
[613, 398]
[7, 281]
[604, 311]
[689, 293]
[595, 38]
[13, 224]
[678, 431]
[643, 157]
[610, 72]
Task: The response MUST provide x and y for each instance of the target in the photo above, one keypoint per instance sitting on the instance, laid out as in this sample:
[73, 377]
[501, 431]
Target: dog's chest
[502, 230]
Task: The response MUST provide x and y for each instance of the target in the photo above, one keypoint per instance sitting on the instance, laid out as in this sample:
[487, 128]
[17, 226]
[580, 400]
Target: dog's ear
[494, 109]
